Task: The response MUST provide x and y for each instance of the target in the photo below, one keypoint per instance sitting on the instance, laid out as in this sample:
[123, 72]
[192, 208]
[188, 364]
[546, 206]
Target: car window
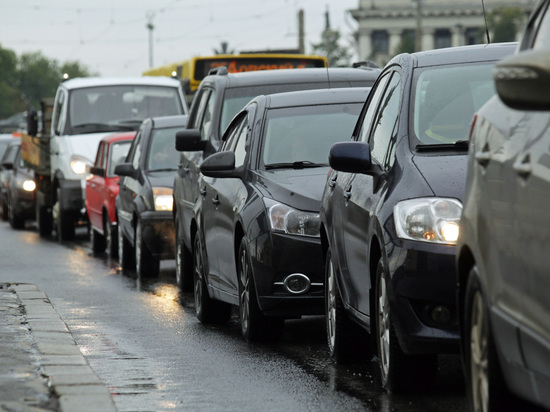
[542, 40]
[532, 27]
[135, 150]
[99, 156]
[385, 121]
[232, 134]
[59, 113]
[206, 124]
[162, 154]
[240, 147]
[201, 102]
[119, 151]
[363, 134]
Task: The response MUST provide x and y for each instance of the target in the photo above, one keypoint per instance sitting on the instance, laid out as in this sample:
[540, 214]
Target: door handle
[523, 168]
[483, 156]
[202, 191]
[332, 181]
[347, 194]
[93, 185]
[216, 200]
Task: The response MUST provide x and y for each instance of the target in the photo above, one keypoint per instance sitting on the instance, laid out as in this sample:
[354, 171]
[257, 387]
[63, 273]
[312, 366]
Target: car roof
[462, 54]
[119, 136]
[311, 75]
[82, 82]
[169, 121]
[7, 138]
[317, 96]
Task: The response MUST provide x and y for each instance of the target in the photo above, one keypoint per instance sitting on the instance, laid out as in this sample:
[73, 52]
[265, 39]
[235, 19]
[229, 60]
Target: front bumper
[276, 256]
[158, 234]
[24, 203]
[422, 297]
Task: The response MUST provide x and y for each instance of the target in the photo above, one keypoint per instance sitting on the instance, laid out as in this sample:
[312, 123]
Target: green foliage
[504, 23]
[336, 54]
[26, 79]
[407, 43]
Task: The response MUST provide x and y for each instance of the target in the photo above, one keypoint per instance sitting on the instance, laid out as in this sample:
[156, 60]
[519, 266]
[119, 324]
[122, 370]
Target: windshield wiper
[294, 165]
[101, 127]
[167, 169]
[458, 145]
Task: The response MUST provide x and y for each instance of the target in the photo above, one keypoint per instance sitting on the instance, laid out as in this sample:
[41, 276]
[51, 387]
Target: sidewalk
[41, 367]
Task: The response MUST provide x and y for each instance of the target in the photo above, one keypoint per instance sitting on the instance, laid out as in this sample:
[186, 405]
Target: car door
[94, 185]
[363, 192]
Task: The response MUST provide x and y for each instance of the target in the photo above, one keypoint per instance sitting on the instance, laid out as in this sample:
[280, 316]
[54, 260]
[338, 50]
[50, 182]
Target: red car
[102, 190]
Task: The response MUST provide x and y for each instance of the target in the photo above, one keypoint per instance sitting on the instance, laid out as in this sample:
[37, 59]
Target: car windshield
[120, 107]
[300, 137]
[162, 151]
[444, 100]
[236, 98]
[119, 150]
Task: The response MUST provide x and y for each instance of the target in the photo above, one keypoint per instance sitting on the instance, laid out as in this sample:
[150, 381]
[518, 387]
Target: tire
[346, 341]
[485, 386]
[125, 251]
[43, 221]
[207, 310]
[64, 222]
[254, 325]
[4, 210]
[147, 266]
[16, 221]
[399, 372]
[184, 264]
[97, 240]
[111, 244]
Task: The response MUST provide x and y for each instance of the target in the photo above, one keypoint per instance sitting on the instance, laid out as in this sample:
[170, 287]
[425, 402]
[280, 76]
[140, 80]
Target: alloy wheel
[479, 355]
[245, 292]
[331, 305]
[383, 326]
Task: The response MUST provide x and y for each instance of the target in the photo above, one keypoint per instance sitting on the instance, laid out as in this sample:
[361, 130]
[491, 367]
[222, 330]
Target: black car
[256, 227]
[391, 207]
[20, 197]
[502, 252]
[9, 149]
[219, 98]
[144, 201]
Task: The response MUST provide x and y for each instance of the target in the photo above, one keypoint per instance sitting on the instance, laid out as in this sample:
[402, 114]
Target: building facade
[386, 27]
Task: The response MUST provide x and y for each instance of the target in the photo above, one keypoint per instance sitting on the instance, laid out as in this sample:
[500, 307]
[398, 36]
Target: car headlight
[286, 219]
[27, 185]
[432, 220]
[80, 165]
[163, 198]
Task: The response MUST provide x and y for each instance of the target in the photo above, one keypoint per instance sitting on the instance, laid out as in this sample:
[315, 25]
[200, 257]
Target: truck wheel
[43, 221]
[64, 222]
[146, 264]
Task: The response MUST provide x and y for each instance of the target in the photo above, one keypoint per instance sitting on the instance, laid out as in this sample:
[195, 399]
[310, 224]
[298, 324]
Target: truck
[83, 111]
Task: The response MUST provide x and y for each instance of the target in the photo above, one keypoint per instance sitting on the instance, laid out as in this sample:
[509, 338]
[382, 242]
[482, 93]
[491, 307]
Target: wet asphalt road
[143, 341]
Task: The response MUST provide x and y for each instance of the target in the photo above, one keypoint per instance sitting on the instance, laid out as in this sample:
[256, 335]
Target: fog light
[297, 283]
[441, 315]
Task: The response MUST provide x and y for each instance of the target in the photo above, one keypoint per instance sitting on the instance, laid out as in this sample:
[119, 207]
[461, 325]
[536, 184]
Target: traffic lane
[142, 338]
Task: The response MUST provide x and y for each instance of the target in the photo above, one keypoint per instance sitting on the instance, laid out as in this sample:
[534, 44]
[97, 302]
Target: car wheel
[184, 264]
[346, 341]
[125, 251]
[207, 310]
[254, 325]
[110, 240]
[16, 221]
[486, 388]
[398, 370]
[43, 221]
[97, 240]
[64, 222]
[147, 265]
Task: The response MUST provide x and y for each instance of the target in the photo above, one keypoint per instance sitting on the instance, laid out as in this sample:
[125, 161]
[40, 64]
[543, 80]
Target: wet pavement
[41, 367]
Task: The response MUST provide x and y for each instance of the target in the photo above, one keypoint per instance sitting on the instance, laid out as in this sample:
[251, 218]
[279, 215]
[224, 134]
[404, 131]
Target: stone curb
[69, 374]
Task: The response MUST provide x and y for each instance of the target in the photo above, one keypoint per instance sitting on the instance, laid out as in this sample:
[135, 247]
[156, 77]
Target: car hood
[446, 175]
[85, 145]
[299, 188]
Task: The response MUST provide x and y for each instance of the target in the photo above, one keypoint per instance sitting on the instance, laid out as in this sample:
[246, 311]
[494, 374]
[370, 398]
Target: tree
[330, 47]
[224, 49]
[10, 98]
[504, 23]
[407, 43]
[38, 77]
[74, 69]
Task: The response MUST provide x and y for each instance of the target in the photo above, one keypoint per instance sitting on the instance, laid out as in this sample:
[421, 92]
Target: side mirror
[32, 122]
[125, 169]
[97, 171]
[351, 157]
[523, 80]
[7, 165]
[220, 164]
[189, 140]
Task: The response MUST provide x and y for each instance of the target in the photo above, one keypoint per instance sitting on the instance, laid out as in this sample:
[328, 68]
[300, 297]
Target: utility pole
[301, 35]
[150, 15]
[418, 31]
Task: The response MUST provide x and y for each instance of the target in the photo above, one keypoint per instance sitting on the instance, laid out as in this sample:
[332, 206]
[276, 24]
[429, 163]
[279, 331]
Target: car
[502, 256]
[102, 189]
[9, 155]
[144, 202]
[4, 140]
[20, 196]
[256, 238]
[219, 98]
[390, 211]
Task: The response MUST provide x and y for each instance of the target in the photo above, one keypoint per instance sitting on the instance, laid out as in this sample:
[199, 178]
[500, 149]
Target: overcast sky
[110, 36]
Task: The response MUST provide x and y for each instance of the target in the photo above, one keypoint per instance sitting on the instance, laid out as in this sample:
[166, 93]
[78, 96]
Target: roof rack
[366, 63]
[221, 71]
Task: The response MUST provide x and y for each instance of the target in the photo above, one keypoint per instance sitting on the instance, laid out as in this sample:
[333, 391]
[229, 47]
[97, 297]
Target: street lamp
[150, 27]
[418, 31]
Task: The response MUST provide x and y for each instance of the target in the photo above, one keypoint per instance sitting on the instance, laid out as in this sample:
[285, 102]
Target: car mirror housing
[7, 165]
[97, 171]
[523, 80]
[353, 157]
[221, 164]
[190, 140]
[125, 169]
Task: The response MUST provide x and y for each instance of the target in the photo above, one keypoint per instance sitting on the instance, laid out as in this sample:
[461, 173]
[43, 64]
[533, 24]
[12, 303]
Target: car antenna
[486, 25]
